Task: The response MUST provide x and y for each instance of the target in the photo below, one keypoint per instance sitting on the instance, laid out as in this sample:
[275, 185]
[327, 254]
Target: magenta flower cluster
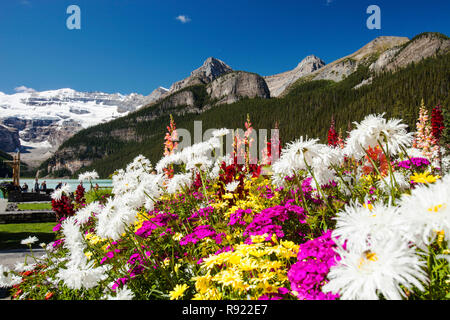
[414, 163]
[160, 220]
[201, 232]
[136, 262]
[202, 213]
[237, 217]
[269, 221]
[275, 296]
[315, 258]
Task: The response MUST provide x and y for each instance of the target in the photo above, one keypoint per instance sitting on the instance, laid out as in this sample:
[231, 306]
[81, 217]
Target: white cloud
[24, 89]
[183, 19]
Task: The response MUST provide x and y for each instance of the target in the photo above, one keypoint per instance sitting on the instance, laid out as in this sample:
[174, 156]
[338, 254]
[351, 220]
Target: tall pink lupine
[248, 141]
[340, 141]
[170, 143]
[424, 139]
[272, 149]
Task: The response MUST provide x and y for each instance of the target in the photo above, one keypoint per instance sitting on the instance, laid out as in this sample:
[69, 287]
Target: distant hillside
[305, 108]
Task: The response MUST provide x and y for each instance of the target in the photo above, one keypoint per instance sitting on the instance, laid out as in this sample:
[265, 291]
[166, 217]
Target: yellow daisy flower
[425, 177]
[178, 291]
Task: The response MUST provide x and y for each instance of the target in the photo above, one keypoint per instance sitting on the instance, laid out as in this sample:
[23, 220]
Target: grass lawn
[34, 206]
[12, 234]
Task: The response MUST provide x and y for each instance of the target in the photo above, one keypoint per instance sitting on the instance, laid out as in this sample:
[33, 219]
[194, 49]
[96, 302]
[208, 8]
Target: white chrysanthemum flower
[445, 163]
[331, 156]
[375, 129]
[141, 164]
[57, 194]
[427, 211]
[196, 163]
[88, 176]
[215, 171]
[114, 217]
[228, 159]
[321, 172]
[78, 273]
[148, 191]
[178, 182]
[301, 152]
[82, 275]
[83, 214]
[231, 187]
[382, 269]
[22, 267]
[220, 132]
[385, 183]
[29, 240]
[281, 169]
[215, 143]
[73, 240]
[7, 278]
[164, 162]
[121, 294]
[358, 225]
[65, 189]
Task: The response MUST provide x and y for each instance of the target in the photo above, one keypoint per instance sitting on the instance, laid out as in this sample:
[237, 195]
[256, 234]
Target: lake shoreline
[52, 183]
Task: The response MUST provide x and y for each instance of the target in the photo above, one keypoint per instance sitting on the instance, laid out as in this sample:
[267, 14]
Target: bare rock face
[156, 95]
[279, 82]
[210, 70]
[9, 139]
[341, 68]
[236, 85]
[423, 46]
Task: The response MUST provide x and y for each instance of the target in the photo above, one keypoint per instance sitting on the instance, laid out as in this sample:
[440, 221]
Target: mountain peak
[279, 82]
[211, 69]
[311, 60]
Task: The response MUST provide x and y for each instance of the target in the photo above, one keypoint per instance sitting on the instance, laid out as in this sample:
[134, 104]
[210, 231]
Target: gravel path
[8, 258]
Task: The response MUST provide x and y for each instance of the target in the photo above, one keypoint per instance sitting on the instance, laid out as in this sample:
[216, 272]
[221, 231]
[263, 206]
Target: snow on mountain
[46, 119]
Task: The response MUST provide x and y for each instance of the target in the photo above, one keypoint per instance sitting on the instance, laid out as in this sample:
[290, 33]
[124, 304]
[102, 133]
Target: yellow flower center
[437, 208]
[368, 256]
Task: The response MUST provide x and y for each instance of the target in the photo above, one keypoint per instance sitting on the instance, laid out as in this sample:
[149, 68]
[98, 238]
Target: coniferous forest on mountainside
[306, 110]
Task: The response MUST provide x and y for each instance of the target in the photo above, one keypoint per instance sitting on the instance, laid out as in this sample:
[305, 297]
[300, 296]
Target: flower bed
[365, 219]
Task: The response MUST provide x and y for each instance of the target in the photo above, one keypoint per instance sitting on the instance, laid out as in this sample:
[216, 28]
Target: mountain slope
[43, 120]
[305, 108]
[143, 124]
[279, 82]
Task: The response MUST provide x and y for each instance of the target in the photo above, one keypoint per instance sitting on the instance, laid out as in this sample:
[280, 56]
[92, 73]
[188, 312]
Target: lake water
[51, 183]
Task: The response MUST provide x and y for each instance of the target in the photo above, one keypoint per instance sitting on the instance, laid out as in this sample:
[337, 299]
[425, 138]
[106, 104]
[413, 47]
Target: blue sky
[137, 45]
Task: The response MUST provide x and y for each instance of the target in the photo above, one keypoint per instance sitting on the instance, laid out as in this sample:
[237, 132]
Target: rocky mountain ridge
[278, 83]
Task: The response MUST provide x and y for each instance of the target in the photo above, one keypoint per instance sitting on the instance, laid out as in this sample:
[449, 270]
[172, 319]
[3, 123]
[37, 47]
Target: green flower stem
[302, 194]
[325, 199]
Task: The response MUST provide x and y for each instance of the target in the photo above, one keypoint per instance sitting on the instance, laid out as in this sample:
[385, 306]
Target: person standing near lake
[36, 185]
[44, 187]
